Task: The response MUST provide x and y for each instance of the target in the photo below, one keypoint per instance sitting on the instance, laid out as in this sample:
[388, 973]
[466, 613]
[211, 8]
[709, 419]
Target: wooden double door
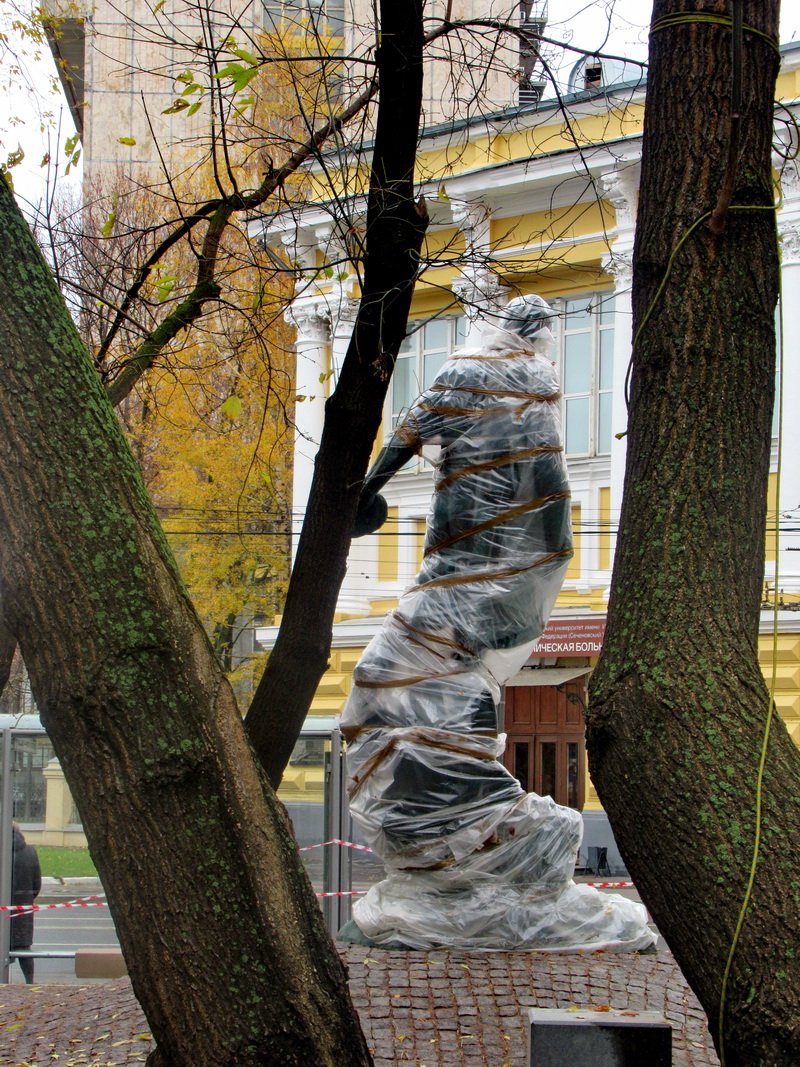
[545, 746]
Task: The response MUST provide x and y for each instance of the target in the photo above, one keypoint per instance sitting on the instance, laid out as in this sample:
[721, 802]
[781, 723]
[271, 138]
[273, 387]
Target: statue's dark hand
[371, 514]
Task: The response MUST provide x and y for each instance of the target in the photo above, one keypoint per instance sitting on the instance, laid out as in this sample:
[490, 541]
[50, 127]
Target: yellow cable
[685, 18]
[771, 709]
[670, 263]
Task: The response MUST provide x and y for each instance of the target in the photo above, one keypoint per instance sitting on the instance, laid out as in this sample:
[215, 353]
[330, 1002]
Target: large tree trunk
[218, 922]
[678, 708]
[395, 229]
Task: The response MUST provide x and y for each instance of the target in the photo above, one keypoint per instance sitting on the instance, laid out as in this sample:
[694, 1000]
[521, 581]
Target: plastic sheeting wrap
[472, 861]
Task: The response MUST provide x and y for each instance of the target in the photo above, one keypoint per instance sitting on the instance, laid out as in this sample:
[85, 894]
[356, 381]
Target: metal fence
[33, 794]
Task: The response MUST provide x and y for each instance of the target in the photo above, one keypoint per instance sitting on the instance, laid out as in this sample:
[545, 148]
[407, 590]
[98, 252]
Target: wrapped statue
[472, 861]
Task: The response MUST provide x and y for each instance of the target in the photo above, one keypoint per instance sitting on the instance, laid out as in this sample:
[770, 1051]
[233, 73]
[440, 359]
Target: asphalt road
[64, 930]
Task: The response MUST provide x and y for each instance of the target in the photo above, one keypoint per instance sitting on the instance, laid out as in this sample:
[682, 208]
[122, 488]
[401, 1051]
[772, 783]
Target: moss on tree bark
[218, 922]
[678, 708]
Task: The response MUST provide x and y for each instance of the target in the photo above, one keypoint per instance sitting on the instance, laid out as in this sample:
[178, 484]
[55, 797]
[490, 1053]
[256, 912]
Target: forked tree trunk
[219, 925]
[678, 705]
[395, 229]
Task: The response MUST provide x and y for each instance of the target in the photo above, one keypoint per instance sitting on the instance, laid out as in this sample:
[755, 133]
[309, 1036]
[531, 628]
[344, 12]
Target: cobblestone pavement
[436, 1009]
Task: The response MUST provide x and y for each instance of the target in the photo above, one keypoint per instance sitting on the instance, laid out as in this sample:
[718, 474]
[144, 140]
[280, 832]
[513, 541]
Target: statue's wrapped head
[529, 316]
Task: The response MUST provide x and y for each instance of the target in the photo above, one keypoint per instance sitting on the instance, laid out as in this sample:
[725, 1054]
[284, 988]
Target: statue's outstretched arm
[404, 443]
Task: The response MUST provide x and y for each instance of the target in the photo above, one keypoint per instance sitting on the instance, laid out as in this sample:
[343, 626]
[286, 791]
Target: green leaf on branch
[13, 159]
[108, 226]
[246, 56]
[130, 141]
[165, 285]
[232, 407]
[72, 152]
[240, 76]
[179, 105]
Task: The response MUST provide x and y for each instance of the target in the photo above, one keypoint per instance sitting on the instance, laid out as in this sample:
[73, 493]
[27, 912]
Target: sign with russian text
[571, 637]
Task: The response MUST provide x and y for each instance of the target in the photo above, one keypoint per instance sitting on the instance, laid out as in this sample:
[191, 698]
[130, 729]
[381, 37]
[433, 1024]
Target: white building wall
[788, 572]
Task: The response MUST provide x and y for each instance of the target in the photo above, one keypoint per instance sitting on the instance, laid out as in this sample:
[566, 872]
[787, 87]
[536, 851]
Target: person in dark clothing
[26, 882]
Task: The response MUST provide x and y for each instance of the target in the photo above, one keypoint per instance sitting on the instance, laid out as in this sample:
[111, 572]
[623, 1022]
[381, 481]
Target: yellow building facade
[537, 200]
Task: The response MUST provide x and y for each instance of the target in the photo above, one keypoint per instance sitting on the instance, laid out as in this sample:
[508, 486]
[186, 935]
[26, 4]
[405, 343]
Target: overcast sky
[614, 26]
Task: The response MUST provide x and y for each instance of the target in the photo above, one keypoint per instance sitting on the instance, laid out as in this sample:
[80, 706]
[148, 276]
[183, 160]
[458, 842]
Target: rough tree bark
[218, 922]
[678, 707]
[395, 230]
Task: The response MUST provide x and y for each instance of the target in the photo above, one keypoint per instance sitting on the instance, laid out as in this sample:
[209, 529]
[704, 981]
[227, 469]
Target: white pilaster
[479, 289]
[343, 311]
[789, 496]
[621, 188]
[620, 267]
[311, 319]
[363, 557]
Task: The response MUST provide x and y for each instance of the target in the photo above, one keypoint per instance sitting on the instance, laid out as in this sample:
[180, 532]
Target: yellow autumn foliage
[216, 455]
[211, 421]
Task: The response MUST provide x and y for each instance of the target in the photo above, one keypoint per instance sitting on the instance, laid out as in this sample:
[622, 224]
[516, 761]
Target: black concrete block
[599, 1038]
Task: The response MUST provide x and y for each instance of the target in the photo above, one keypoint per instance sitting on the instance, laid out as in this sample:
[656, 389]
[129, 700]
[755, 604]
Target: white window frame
[415, 352]
[599, 390]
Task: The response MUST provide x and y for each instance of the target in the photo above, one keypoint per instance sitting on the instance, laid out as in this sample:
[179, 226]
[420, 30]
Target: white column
[343, 311]
[621, 188]
[362, 560]
[620, 268]
[479, 289]
[789, 497]
[311, 320]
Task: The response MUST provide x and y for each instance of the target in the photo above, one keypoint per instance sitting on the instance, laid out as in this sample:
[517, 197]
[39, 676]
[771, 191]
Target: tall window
[586, 351]
[420, 359]
[324, 16]
[30, 756]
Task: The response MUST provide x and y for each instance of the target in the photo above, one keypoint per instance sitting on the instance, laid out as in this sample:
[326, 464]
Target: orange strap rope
[498, 520]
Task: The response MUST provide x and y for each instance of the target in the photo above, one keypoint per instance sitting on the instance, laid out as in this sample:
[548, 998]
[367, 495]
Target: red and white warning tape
[100, 902]
[338, 841]
[96, 902]
[81, 902]
[343, 844]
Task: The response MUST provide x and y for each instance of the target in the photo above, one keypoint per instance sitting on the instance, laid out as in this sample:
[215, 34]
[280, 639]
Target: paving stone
[440, 1009]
